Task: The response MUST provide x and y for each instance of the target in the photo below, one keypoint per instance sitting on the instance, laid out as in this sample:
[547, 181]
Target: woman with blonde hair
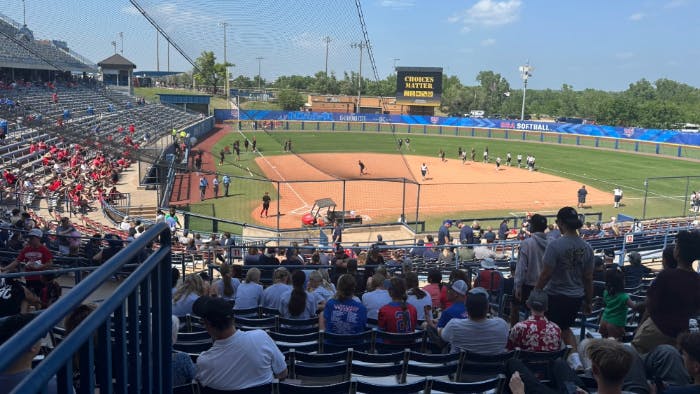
[191, 288]
[320, 286]
[249, 293]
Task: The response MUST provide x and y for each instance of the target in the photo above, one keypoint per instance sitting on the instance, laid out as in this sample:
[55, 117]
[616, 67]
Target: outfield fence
[552, 137]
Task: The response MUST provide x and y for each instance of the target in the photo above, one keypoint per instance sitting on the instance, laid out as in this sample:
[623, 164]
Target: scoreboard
[419, 85]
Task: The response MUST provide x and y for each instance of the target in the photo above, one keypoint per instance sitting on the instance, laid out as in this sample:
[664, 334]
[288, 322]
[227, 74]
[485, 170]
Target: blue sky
[588, 44]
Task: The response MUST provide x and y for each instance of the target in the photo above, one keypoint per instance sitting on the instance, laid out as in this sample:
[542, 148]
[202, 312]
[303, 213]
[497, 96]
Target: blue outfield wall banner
[632, 133]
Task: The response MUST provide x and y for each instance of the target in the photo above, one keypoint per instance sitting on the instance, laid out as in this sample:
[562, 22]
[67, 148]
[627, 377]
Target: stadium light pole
[228, 94]
[361, 46]
[395, 60]
[121, 37]
[259, 59]
[114, 44]
[525, 74]
[327, 40]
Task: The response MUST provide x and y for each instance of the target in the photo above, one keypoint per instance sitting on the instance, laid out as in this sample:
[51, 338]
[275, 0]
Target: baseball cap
[213, 309]
[479, 291]
[538, 300]
[448, 222]
[459, 287]
[488, 263]
[35, 232]
[609, 253]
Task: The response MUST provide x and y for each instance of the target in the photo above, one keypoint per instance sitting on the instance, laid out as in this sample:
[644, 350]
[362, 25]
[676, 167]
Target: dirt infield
[449, 187]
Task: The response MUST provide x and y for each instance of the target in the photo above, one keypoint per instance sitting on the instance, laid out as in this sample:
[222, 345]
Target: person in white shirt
[377, 298]
[124, 225]
[237, 359]
[617, 195]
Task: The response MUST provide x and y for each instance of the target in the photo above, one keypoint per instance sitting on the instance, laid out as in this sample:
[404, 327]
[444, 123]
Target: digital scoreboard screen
[418, 85]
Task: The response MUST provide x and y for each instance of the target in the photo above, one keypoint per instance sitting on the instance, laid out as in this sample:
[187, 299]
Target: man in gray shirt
[477, 334]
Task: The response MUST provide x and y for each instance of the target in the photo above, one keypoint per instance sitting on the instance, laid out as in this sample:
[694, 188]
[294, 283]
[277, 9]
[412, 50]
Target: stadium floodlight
[228, 93]
[361, 45]
[121, 36]
[525, 74]
[259, 59]
[114, 44]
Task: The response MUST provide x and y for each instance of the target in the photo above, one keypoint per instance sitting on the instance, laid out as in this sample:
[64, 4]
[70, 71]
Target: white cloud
[488, 13]
[397, 3]
[624, 55]
[637, 16]
[488, 42]
[675, 3]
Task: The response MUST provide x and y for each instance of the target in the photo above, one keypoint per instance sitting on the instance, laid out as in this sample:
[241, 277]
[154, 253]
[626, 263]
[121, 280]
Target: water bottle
[693, 326]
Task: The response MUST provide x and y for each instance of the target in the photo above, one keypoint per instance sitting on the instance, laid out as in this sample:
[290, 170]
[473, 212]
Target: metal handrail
[62, 355]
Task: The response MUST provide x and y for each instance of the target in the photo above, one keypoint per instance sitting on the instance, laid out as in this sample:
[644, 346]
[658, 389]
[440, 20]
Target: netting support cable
[163, 33]
[370, 54]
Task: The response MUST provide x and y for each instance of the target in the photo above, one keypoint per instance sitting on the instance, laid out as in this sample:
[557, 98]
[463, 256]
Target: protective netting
[289, 36]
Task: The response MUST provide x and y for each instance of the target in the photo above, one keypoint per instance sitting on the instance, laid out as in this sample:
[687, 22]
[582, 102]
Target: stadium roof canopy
[156, 74]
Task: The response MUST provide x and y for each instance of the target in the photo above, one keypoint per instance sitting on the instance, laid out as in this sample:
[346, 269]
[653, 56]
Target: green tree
[208, 72]
[493, 87]
[290, 100]
[243, 82]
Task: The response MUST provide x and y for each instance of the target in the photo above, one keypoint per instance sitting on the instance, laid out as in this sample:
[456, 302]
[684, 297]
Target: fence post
[646, 192]
[318, 126]
[303, 125]
[409, 128]
[524, 138]
[363, 126]
[439, 129]
[685, 196]
[506, 133]
[456, 130]
[680, 151]
[379, 128]
[617, 143]
[403, 200]
[473, 132]
[344, 181]
[278, 206]
[597, 142]
[658, 148]
[488, 133]
[578, 140]
[425, 129]
[636, 146]
[332, 126]
[418, 205]
[559, 139]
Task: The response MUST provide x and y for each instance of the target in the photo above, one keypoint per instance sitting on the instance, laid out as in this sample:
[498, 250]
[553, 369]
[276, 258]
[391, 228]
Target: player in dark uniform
[246, 143]
[400, 142]
[473, 154]
[362, 167]
[222, 155]
[255, 144]
[266, 204]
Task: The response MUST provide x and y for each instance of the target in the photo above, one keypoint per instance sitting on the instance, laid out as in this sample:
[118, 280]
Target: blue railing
[125, 345]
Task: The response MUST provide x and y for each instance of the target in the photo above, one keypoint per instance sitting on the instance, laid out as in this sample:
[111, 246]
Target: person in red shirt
[397, 316]
[438, 292]
[54, 98]
[32, 148]
[36, 257]
[132, 128]
[120, 129]
[10, 178]
[489, 277]
[42, 145]
[536, 334]
[55, 185]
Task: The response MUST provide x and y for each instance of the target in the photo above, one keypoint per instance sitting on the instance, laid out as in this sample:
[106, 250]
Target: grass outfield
[599, 168]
